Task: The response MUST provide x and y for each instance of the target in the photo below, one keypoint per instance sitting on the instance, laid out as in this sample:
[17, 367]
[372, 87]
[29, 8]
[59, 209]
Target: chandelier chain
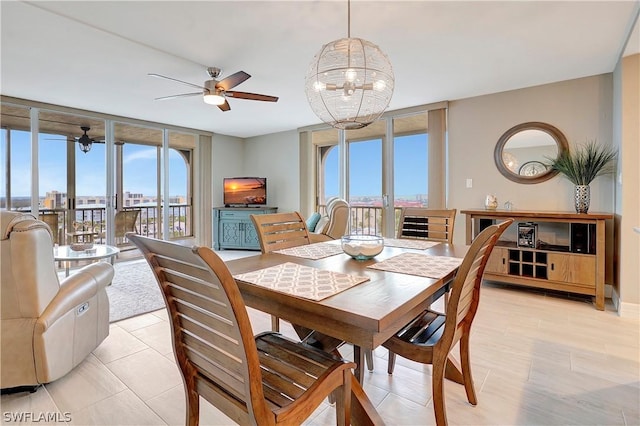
[348, 18]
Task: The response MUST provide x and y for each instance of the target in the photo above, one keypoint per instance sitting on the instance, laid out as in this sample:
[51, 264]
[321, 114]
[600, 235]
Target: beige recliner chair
[335, 224]
[48, 327]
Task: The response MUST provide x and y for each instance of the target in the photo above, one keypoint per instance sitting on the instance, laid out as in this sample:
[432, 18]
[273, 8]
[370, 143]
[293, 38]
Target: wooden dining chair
[431, 336]
[266, 379]
[427, 224]
[424, 224]
[278, 231]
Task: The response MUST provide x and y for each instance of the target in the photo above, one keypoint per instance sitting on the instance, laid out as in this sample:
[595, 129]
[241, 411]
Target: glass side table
[99, 251]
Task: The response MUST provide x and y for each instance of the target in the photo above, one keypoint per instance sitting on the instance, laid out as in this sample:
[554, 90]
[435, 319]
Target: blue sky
[365, 165]
[139, 167]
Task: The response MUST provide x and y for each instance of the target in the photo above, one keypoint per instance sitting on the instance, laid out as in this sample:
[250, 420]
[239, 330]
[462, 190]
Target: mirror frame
[561, 142]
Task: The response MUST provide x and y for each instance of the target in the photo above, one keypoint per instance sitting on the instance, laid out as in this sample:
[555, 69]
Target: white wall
[227, 159]
[581, 109]
[277, 157]
[627, 133]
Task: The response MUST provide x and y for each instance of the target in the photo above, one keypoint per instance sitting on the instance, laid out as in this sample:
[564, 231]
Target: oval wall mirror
[523, 151]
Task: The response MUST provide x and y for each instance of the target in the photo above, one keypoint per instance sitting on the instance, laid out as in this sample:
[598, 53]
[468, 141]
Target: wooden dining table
[365, 315]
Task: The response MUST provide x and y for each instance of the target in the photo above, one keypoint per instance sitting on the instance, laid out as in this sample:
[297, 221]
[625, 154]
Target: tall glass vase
[582, 198]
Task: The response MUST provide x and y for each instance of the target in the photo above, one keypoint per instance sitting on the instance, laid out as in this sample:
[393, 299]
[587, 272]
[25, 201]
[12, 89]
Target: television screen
[245, 191]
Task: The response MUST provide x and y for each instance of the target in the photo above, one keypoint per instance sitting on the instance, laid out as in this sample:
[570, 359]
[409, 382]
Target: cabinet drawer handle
[504, 261]
[552, 267]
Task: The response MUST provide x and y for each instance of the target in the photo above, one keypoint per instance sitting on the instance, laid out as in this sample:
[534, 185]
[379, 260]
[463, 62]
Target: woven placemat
[419, 264]
[302, 281]
[312, 251]
[410, 244]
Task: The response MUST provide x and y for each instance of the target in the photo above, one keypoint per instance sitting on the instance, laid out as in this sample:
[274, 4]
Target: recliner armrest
[75, 290]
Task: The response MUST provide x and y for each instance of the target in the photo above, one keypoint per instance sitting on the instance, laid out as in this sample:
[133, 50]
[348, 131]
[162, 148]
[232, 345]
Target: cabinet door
[250, 236]
[571, 268]
[498, 261]
[231, 234]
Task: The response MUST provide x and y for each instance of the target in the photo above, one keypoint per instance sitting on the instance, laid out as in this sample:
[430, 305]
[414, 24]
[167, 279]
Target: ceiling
[95, 55]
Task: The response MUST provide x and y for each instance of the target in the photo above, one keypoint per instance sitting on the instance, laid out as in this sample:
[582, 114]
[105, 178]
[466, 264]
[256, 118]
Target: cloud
[142, 154]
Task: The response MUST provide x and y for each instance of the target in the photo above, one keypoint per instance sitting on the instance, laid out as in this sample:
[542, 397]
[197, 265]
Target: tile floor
[538, 359]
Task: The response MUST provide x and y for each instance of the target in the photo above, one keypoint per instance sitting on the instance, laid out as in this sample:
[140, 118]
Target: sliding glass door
[80, 171]
[386, 167]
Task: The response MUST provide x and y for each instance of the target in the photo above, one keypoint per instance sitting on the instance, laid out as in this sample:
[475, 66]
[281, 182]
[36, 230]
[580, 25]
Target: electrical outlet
[469, 183]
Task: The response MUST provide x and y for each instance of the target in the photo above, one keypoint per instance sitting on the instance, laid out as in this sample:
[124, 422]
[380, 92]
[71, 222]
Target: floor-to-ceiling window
[364, 178]
[387, 165]
[71, 173]
[82, 170]
[181, 148]
[15, 152]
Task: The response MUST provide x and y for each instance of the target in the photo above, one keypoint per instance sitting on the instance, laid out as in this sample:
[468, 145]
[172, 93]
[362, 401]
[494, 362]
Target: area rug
[134, 291]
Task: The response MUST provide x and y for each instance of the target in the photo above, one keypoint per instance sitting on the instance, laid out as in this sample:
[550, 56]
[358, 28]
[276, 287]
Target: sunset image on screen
[245, 191]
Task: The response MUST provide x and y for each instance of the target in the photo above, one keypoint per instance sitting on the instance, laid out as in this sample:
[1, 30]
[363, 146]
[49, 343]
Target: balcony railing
[94, 218]
[366, 220]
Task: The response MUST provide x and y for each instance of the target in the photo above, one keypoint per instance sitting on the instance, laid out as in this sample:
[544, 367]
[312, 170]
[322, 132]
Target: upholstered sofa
[48, 327]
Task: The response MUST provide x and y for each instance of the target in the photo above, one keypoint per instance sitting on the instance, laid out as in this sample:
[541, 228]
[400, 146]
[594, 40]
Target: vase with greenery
[582, 166]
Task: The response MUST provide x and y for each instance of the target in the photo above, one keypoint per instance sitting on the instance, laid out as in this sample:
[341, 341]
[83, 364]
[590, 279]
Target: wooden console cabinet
[233, 228]
[568, 253]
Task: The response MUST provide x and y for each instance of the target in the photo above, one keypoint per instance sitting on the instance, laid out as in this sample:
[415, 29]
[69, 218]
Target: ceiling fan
[84, 141]
[215, 92]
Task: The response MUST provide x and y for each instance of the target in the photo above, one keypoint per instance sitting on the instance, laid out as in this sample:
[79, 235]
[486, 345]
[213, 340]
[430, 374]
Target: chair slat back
[125, 221]
[211, 333]
[280, 230]
[53, 220]
[427, 224]
[465, 290]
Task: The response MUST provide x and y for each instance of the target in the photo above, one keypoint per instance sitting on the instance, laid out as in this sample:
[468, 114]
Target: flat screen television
[245, 191]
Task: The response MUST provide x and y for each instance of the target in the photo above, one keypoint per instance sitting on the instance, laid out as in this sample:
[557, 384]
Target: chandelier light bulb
[379, 85]
[318, 86]
[350, 75]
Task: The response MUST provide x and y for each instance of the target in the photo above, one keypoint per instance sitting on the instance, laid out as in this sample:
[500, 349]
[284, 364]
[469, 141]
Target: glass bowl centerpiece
[362, 247]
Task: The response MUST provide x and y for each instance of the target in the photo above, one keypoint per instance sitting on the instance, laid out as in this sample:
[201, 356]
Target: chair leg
[392, 362]
[193, 408]
[368, 356]
[438, 394]
[343, 400]
[466, 369]
[275, 323]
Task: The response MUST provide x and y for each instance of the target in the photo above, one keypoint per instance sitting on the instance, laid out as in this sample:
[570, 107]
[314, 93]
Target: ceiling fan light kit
[85, 142]
[215, 92]
[350, 82]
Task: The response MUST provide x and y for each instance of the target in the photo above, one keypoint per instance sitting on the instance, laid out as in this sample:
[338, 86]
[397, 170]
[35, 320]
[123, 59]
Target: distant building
[55, 200]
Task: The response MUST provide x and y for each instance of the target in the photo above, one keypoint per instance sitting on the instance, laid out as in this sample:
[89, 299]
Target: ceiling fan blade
[225, 106]
[183, 95]
[175, 79]
[232, 81]
[60, 139]
[252, 96]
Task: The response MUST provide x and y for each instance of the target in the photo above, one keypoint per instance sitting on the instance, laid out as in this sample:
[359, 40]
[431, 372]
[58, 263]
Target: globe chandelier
[350, 82]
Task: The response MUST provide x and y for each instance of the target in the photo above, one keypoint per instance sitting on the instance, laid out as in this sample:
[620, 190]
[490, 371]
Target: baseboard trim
[624, 309]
